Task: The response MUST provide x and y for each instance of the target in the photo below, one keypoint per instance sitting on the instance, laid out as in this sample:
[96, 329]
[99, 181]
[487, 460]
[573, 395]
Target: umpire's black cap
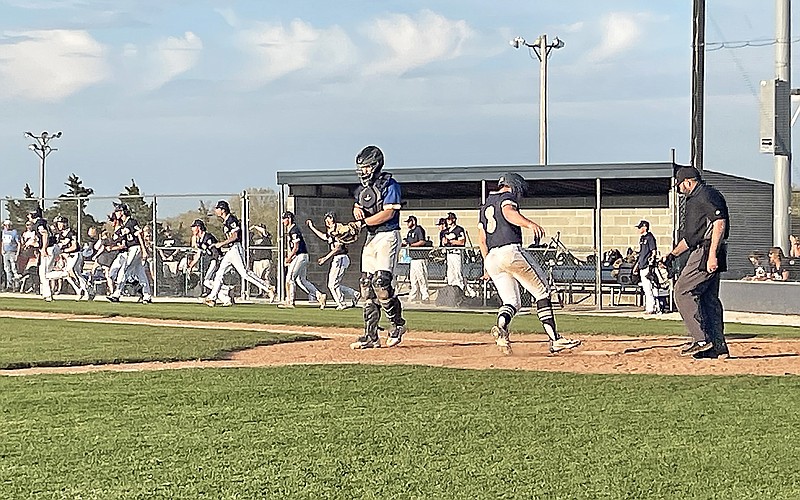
[223, 205]
[684, 173]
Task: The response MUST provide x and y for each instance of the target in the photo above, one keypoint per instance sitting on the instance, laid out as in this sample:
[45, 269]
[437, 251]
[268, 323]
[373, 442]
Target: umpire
[697, 289]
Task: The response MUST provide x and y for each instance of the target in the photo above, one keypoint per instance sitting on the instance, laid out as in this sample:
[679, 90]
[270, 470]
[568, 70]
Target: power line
[740, 44]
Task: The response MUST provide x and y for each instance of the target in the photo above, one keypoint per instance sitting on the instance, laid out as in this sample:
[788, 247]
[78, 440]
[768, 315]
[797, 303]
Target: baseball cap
[223, 205]
[684, 173]
[7, 222]
[411, 218]
[451, 216]
[441, 221]
[197, 223]
[287, 215]
[643, 223]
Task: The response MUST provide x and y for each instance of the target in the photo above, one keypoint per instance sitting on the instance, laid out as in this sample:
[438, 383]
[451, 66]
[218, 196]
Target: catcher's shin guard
[365, 283]
[372, 317]
[382, 284]
[544, 309]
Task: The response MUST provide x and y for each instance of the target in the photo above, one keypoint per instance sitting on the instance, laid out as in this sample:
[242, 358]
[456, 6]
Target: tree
[72, 208]
[18, 208]
[140, 209]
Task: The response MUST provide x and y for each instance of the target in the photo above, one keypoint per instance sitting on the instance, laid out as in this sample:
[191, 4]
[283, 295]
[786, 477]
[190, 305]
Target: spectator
[647, 250]
[11, 247]
[777, 271]
[794, 250]
[759, 273]
[418, 268]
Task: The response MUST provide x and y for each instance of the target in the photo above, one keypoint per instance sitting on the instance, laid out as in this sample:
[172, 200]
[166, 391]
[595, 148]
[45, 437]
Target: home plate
[599, 353]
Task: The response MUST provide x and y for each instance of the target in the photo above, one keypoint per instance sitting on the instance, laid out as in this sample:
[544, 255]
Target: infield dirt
[597, 354]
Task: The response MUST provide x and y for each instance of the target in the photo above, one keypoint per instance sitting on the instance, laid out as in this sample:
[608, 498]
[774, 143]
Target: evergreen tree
[72, 209]
[140, 209]
[18, 208]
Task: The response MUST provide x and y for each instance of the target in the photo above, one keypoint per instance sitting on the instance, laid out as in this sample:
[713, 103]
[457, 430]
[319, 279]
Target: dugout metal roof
[467, 181]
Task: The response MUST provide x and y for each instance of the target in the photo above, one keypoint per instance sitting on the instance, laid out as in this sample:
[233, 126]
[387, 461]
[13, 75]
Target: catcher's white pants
[509, 267]
[418, 275]
[132, 265]
[381, 252]
[296, 275]
[454, 275]
[340, 292]
[234, 258]
[47, 259]
[649, 289]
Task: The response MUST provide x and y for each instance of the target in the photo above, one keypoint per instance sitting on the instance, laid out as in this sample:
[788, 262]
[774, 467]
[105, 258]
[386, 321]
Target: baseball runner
[205, 243]
[297, 265]
[73, 259]
[500, 238]
[132, 256]
[377, 207]
[45, 242]
[344, 296]
[234, 257]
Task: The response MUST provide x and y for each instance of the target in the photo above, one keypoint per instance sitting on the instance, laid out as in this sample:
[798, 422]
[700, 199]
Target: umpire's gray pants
[697, 298]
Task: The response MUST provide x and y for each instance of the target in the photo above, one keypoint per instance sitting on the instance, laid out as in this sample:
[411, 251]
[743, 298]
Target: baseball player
[500, 237]
[297, 265]
[133, 253]
[377, 207]
[418, 269]
[205, 243]
[67, 242]
[45, 242]
[454, 239]
[340, 261]
[234, 257]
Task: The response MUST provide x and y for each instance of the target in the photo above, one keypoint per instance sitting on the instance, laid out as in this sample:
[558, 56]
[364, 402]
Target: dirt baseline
[597, 354]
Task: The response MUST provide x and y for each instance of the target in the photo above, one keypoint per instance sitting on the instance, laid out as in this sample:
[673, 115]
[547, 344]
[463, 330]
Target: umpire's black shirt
[704, 205]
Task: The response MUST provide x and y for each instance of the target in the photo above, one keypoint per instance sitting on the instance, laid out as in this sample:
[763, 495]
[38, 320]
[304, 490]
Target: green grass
[36, 342]
[467, 322]
[397, 432]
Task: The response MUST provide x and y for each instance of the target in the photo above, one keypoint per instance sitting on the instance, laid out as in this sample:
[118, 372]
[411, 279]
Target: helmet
[123, 207]
[36, 213]
[199, 224]
[518, 185]
[369, 163]
[61, 219]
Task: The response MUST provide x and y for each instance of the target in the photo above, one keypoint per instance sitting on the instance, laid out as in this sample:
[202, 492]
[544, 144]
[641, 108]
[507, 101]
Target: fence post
[153, 257]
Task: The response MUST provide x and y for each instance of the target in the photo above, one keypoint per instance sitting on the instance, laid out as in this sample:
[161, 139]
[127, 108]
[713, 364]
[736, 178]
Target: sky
[210, 96]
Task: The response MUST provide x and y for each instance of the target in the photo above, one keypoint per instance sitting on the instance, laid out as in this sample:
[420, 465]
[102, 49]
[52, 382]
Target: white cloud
[621, 31]
[277, 51]
[415, 42]
[173, 56]
[50, 65]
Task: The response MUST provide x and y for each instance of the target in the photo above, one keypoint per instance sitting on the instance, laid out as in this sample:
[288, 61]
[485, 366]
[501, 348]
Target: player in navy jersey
[234, 257]
[500, 236]
[69, 250]
[297, 265]
[205, 243]
[131, 245]
[48, 250]
[377, 207]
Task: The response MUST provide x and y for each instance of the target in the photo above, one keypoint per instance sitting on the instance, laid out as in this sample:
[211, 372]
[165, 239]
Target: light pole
[42, 148]
[542, 49]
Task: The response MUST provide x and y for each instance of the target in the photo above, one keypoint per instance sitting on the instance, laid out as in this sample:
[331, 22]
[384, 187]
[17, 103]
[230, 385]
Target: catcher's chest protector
[370, 198]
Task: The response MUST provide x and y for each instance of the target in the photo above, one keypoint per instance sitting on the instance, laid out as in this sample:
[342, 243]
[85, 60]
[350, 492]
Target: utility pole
[542, 49]
[698, 80]
[782, 187]
[42, 148]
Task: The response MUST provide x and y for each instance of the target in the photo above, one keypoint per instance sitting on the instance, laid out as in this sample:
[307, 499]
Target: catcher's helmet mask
[369, 163]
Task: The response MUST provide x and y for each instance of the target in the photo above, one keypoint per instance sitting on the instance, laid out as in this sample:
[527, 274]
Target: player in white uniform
[297, 265]
[234, 258]
[205, 243]
[500, 230]
[344, 296]
[134, 254]
[73, 258]
[48, 250]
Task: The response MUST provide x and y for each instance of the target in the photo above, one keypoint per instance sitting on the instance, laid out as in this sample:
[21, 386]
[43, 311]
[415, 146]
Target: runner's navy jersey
[206, 246]
[65, 240]
[499, 232]
[43, 232]
[129, 231]
[295, 236]
[232, 225]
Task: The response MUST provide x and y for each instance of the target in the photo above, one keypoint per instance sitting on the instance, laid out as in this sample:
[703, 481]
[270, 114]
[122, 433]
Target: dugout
[591, 208]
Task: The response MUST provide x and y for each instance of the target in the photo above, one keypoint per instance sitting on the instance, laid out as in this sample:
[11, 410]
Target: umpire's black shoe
[696, 348]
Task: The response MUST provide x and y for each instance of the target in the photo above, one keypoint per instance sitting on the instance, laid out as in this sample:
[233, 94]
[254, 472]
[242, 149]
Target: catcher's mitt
[347, 233]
